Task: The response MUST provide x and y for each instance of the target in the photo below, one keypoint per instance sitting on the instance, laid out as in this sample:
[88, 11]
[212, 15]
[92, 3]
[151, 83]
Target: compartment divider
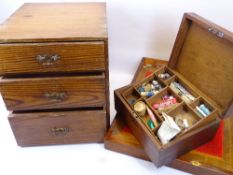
[155, 112]
[137, 91]
[174, 109]
[132, 94]
[169, 80]
[194, 102]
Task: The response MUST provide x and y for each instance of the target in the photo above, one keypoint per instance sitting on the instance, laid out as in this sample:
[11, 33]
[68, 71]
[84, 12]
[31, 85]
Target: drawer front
[52, 57]
[31, 129]
[53, 93]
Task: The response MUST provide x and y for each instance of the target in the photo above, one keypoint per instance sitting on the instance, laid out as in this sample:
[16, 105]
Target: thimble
[140, 108]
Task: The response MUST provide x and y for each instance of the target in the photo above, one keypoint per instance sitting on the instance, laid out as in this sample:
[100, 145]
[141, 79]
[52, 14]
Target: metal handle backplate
[47, 60]
[57, 96]
[58, 131]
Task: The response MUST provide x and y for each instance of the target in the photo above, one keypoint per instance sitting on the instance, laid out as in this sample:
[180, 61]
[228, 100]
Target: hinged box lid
[203, 54]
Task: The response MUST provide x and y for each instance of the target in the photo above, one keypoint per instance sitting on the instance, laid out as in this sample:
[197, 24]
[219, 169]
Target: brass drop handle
[61, 130]
[47, 60]
[57, 96]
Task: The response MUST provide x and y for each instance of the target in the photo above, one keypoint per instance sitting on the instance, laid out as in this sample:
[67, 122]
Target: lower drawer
[45, 128]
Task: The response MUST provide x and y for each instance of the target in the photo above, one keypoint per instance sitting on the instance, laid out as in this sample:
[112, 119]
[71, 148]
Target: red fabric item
[215, 146]
[126, 129]
[148, 73]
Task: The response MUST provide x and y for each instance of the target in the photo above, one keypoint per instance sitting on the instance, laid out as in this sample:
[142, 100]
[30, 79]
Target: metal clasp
[195, 163]
[216, 32]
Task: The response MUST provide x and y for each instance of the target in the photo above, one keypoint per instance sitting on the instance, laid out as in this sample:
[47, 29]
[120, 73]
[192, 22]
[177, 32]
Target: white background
[136, 29]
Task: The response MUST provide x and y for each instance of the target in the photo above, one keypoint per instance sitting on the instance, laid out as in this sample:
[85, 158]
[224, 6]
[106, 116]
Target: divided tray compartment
[163, 70]
[213, 111]
[131, 96]
[146, 117]
[147, 80]
[184, 111]
[182, 83]
[159, 98]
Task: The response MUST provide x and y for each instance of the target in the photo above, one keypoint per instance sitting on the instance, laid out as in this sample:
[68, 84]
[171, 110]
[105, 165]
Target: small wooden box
[54, 73]
[119, 138]
[200, 61]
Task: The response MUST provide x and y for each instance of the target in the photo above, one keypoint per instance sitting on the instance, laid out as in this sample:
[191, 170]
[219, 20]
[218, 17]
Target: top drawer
[51, 57]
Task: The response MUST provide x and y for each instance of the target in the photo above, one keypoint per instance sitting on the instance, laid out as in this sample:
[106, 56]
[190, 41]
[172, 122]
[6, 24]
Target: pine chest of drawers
[54, 73]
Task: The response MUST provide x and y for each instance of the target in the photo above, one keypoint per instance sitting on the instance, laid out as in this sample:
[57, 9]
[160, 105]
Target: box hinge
[216, 32]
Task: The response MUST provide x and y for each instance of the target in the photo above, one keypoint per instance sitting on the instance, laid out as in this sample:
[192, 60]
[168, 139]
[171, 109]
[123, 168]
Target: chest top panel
[38, 22]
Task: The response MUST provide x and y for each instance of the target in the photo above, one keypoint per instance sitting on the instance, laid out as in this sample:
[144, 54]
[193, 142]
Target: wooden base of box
[120, 139]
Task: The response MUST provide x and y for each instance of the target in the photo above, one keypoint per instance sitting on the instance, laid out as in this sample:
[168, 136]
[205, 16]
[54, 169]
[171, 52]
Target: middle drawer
[53, 92]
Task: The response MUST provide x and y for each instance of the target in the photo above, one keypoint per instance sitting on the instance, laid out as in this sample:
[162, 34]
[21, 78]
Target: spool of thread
[150, 124]
[155, 82]
[148, 94]
[204, 109]
[164, 75]
[186, 125]
[140, 108]
[200, 111]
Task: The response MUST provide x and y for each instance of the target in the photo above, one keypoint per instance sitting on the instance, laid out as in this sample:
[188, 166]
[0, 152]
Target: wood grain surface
[73, 56]
[66, 127]
[205, 60]
[120, 139]
[39, 22]
[53, 92]
[54, 68]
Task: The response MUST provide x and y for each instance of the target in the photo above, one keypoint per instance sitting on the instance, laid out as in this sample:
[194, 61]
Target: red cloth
[126, 129]
[215, 146]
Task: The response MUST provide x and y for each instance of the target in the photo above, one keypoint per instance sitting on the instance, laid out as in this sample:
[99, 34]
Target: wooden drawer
[52, 57]
[53, 92]
[44, 128]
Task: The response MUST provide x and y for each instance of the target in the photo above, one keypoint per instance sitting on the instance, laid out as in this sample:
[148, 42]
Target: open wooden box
[213, 158]
[200, 61]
